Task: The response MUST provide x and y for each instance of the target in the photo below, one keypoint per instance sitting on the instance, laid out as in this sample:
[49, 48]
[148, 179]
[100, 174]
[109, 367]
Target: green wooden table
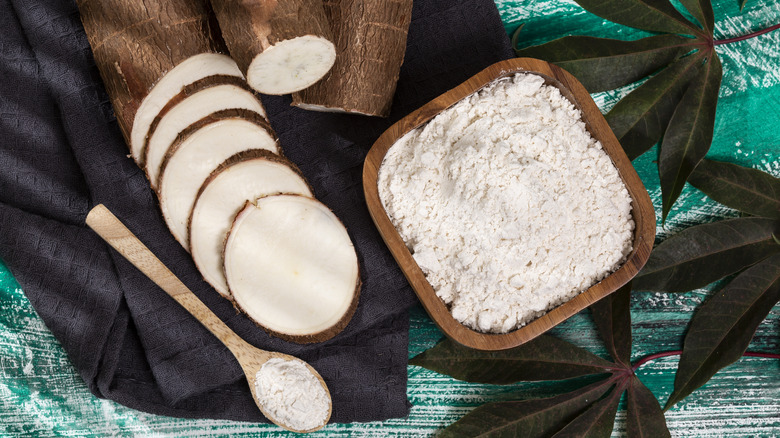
[42, 395]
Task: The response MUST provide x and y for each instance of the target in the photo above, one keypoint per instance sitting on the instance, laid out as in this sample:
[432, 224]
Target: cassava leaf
[613, 319]
[722, 328]
[516, 36]
[644, 417]
[640, 119]
[702, 11]
[604, 64]
[699, 255]
[527, 418]
[747, 190]
[597, 421]
[651, 15]
[544, 358]
[689, 134]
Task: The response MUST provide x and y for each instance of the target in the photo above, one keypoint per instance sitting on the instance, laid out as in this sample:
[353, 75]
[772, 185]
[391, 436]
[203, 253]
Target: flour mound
[507, 204]
[292, 394]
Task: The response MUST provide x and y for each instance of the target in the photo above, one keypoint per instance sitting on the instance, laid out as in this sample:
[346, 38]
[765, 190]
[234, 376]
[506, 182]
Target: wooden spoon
[114, 232]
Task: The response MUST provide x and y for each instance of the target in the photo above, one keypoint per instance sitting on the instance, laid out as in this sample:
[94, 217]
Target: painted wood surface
[41, 394]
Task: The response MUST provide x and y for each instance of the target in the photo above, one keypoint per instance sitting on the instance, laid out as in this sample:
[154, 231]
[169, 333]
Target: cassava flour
[292, 394]
[507, 203]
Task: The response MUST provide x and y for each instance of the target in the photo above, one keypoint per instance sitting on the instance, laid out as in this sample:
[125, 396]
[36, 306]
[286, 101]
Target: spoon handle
[116, 234]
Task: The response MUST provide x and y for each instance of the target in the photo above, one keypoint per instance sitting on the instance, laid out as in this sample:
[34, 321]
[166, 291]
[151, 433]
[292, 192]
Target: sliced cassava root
[292, 268]
[370, 39]
[197, 152]
[146, 51]
[246, 176]
[281, 46]
[207, 96]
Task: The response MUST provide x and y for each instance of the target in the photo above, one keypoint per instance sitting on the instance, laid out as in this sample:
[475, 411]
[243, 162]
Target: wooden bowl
[642, 207]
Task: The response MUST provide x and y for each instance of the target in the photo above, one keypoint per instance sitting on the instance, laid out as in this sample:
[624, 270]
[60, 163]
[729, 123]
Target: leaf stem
[655, 356]
[646, 359]
[748, 36]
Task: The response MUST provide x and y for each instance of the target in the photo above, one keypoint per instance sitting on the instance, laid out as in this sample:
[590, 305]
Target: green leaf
[702, 11]
[527, 418]
[604, 64]
[689, 135]
[516, 36]
[742, 4]
[613, 319]
[597, 421]
[640, 119]
[699, 255]
[644, 417]
[747, 190]
[544, 358]
[651, 15]
[722, 328]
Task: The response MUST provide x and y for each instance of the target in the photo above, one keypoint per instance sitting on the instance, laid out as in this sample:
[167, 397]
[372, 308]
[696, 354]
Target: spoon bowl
[251, 358]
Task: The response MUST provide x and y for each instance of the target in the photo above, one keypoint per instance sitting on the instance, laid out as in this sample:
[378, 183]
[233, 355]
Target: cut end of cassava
[292, 268]
[371, 40]
[207, 96]
[246, 176]
[327, 109]
[188, 71]
[291, 65]
[197, 152]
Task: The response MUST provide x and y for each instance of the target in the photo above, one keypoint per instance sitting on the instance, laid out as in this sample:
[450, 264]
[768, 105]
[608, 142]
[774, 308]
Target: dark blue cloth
[61, 153]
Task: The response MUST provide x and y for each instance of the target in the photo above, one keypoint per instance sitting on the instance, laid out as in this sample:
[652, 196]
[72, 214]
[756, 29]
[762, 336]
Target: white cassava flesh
[291, 267]
[189, 111]
[191, 160]
[326, 109]
[188, 71]
[244, 177]
[291, 65]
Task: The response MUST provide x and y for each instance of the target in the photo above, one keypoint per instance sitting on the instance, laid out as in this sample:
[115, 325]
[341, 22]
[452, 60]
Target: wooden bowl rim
[642, 207]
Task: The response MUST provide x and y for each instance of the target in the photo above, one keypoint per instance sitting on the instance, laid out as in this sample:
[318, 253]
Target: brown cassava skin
[372, 35]
[136, 42]
[251, 26]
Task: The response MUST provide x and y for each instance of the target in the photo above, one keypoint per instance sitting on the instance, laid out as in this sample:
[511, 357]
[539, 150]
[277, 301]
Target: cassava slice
[191, 105]
[370, 39]
[281, 46]
[191, 70]
[197, 152]
[146, 51]
[292, 268]
[244, 177]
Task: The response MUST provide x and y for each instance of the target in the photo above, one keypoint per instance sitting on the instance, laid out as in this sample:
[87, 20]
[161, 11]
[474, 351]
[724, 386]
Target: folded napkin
[61, 153]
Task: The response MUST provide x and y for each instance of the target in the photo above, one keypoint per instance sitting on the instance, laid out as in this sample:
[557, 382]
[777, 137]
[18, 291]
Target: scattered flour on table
[507, 204]
[292, 394]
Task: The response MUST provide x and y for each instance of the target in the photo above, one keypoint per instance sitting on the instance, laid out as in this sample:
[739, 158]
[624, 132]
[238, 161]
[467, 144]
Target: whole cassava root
[372, 35]
[136, 43]
[281, 46]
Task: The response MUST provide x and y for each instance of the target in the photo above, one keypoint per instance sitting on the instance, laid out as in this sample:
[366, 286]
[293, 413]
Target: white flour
[292, 394]
[507, 203]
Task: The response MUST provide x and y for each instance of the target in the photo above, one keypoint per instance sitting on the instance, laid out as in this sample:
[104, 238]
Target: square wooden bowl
[642, 207]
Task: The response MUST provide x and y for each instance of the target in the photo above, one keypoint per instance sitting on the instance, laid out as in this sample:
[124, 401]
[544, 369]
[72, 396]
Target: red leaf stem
[748, 36]
[646, 359]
